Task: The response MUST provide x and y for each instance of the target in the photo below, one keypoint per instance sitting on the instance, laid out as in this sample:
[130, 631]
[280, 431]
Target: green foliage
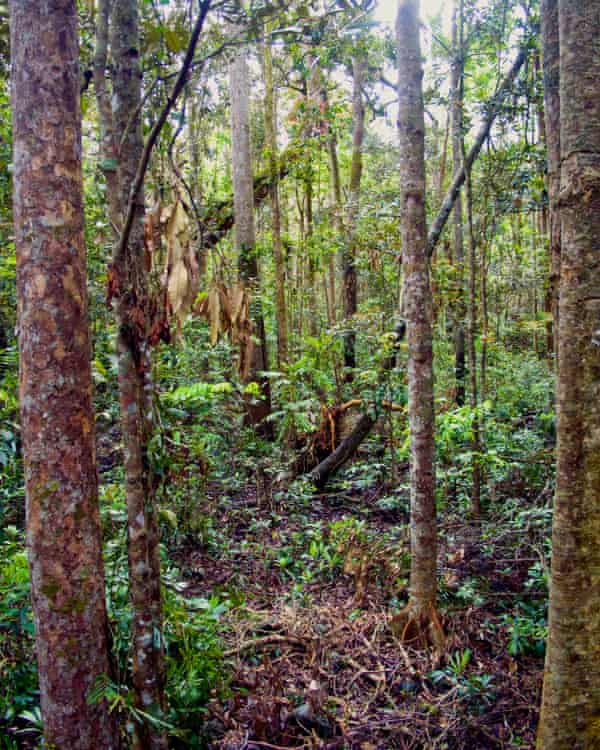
[194, 660]
[478, 688]
[527, 629]
[192, 639]
[18, 674]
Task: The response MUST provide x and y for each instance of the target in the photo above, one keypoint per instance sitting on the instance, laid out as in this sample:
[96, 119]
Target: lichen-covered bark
[417, 308]
[570, 715]
[63, 525]
[349, 253]
[270, 118]
[135, 384]
[243, 198]
[550, 63]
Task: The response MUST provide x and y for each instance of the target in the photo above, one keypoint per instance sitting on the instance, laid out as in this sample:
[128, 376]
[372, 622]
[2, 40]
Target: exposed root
[419, 628]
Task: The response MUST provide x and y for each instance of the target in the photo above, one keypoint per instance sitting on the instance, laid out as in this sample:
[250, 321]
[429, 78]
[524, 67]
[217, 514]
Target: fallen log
[348, 446]
[321, 473]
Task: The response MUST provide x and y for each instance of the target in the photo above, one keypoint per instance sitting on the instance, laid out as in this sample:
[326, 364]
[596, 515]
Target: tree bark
[245, 239]
[550, 63]
[270, 118]
[135, 382]
[458, 306]
[349, 254]
[336, 204]
[63, 523]
[418, 312]
[472, 356]
[313, 305]
[570, 713]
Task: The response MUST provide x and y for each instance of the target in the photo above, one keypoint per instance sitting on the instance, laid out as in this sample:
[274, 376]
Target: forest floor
[310, 643]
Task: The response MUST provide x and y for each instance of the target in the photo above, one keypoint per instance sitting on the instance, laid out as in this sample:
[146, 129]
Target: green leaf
[109, 165]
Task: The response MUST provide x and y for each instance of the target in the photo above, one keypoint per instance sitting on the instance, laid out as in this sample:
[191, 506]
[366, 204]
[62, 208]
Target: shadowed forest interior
[299, 374]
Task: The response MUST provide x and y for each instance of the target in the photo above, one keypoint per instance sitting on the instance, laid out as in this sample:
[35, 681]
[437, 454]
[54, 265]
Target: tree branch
[459, 177]
[158, 125]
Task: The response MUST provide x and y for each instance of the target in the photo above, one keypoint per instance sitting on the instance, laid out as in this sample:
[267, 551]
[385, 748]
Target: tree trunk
[313, 305]
[550, 62]
[197, 148]
[458, 307]
[349, 255]
[485, 323]
[135, 384]
[270, 119]
[571, 695]
[418, 313]
[336, 203]
[63, 523]
[472, 355]
[243, 195]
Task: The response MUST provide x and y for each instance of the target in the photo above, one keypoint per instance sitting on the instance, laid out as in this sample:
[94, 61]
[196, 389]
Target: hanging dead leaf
[239, 297]
[227, 311]
[182, 272]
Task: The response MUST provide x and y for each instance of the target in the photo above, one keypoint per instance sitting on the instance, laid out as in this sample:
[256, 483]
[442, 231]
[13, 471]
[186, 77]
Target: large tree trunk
[63, 524]
[270, 119]
[550, 62]
[243, 196]
[349, 254]
[570, 712]
[418, 313]
[135, 385]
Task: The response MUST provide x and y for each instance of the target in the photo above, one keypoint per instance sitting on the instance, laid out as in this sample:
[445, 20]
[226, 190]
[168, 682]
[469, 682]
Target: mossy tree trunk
[570, 714]
[63, 523]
